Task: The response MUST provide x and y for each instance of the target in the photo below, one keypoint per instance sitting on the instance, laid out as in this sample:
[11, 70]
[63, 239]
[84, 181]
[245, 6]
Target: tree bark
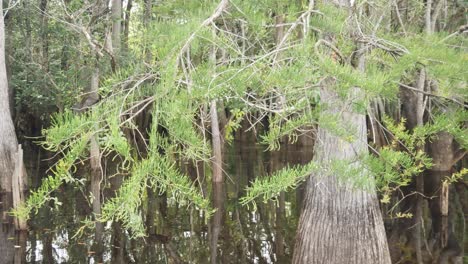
[116, 16]
[217, 149]
[96, 176]
[8, 140]
[128, 11]
[44, 35]
[340, 224]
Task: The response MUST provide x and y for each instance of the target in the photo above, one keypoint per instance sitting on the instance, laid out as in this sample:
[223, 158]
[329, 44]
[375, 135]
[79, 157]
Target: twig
[217, 13]
[331, 46]
[431, 94]
[461, 30]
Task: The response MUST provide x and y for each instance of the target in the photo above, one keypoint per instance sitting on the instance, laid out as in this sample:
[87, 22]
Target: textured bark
[116, 15]
[96, 176]
[340, 224]
[217, 162]
[19, 186]
[443, 242]
[428, 17]
[8, 140]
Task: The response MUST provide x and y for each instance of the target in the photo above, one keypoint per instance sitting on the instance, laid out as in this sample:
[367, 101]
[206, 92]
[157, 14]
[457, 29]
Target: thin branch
[460, 154]
[431, 94]
[331, 46]
[397, 11]
[461, 30]
[217, 13]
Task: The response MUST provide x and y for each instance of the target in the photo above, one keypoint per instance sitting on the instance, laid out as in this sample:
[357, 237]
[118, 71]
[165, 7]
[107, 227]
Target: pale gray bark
[96, 173]
[19, 183]
[428, 17]
[116, 16]
[8, 140]
[340, 224]
[217, 161]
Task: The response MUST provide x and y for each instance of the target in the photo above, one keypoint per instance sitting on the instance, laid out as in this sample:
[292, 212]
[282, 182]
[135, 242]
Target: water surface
[176, 233]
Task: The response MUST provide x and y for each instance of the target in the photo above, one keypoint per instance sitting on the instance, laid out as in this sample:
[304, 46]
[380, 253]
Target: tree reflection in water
[176, 234]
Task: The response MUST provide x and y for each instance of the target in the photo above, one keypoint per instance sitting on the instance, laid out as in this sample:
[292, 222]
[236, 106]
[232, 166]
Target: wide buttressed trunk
[8, 141]
[339, 223]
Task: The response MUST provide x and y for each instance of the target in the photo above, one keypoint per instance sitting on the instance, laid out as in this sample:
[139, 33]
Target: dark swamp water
[177, 234]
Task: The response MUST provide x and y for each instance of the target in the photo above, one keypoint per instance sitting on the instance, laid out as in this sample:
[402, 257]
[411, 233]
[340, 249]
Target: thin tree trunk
[147, 17]
[217, 220]
[116, 16]
[413, 107]
[217, 162]
[96, 176]
[44, 35]
[216, 139]
[127, 24]
[428, 19]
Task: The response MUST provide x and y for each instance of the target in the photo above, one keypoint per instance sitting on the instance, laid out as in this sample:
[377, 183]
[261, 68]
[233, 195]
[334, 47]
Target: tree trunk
[217, 149]
[340, 224]
[8, 140]
[127, 24]
[413, 106]
[44, 35]
[116, 16]
[217, 219]
[442, 239]
[96, 176]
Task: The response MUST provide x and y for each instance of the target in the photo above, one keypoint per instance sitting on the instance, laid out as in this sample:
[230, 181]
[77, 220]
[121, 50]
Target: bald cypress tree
[8, 140]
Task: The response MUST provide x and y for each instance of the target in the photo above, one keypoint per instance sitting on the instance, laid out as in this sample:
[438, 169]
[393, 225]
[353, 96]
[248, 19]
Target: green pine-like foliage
[250, 76]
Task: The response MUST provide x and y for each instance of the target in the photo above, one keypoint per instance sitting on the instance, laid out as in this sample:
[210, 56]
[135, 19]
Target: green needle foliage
[178, 63]
[269, 187]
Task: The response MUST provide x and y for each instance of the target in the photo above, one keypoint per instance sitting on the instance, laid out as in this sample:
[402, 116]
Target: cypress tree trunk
[8, 140]
[340, 224]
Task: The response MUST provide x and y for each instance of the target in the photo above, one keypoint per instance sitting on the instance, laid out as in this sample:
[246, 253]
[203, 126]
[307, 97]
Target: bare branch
[431, 94]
